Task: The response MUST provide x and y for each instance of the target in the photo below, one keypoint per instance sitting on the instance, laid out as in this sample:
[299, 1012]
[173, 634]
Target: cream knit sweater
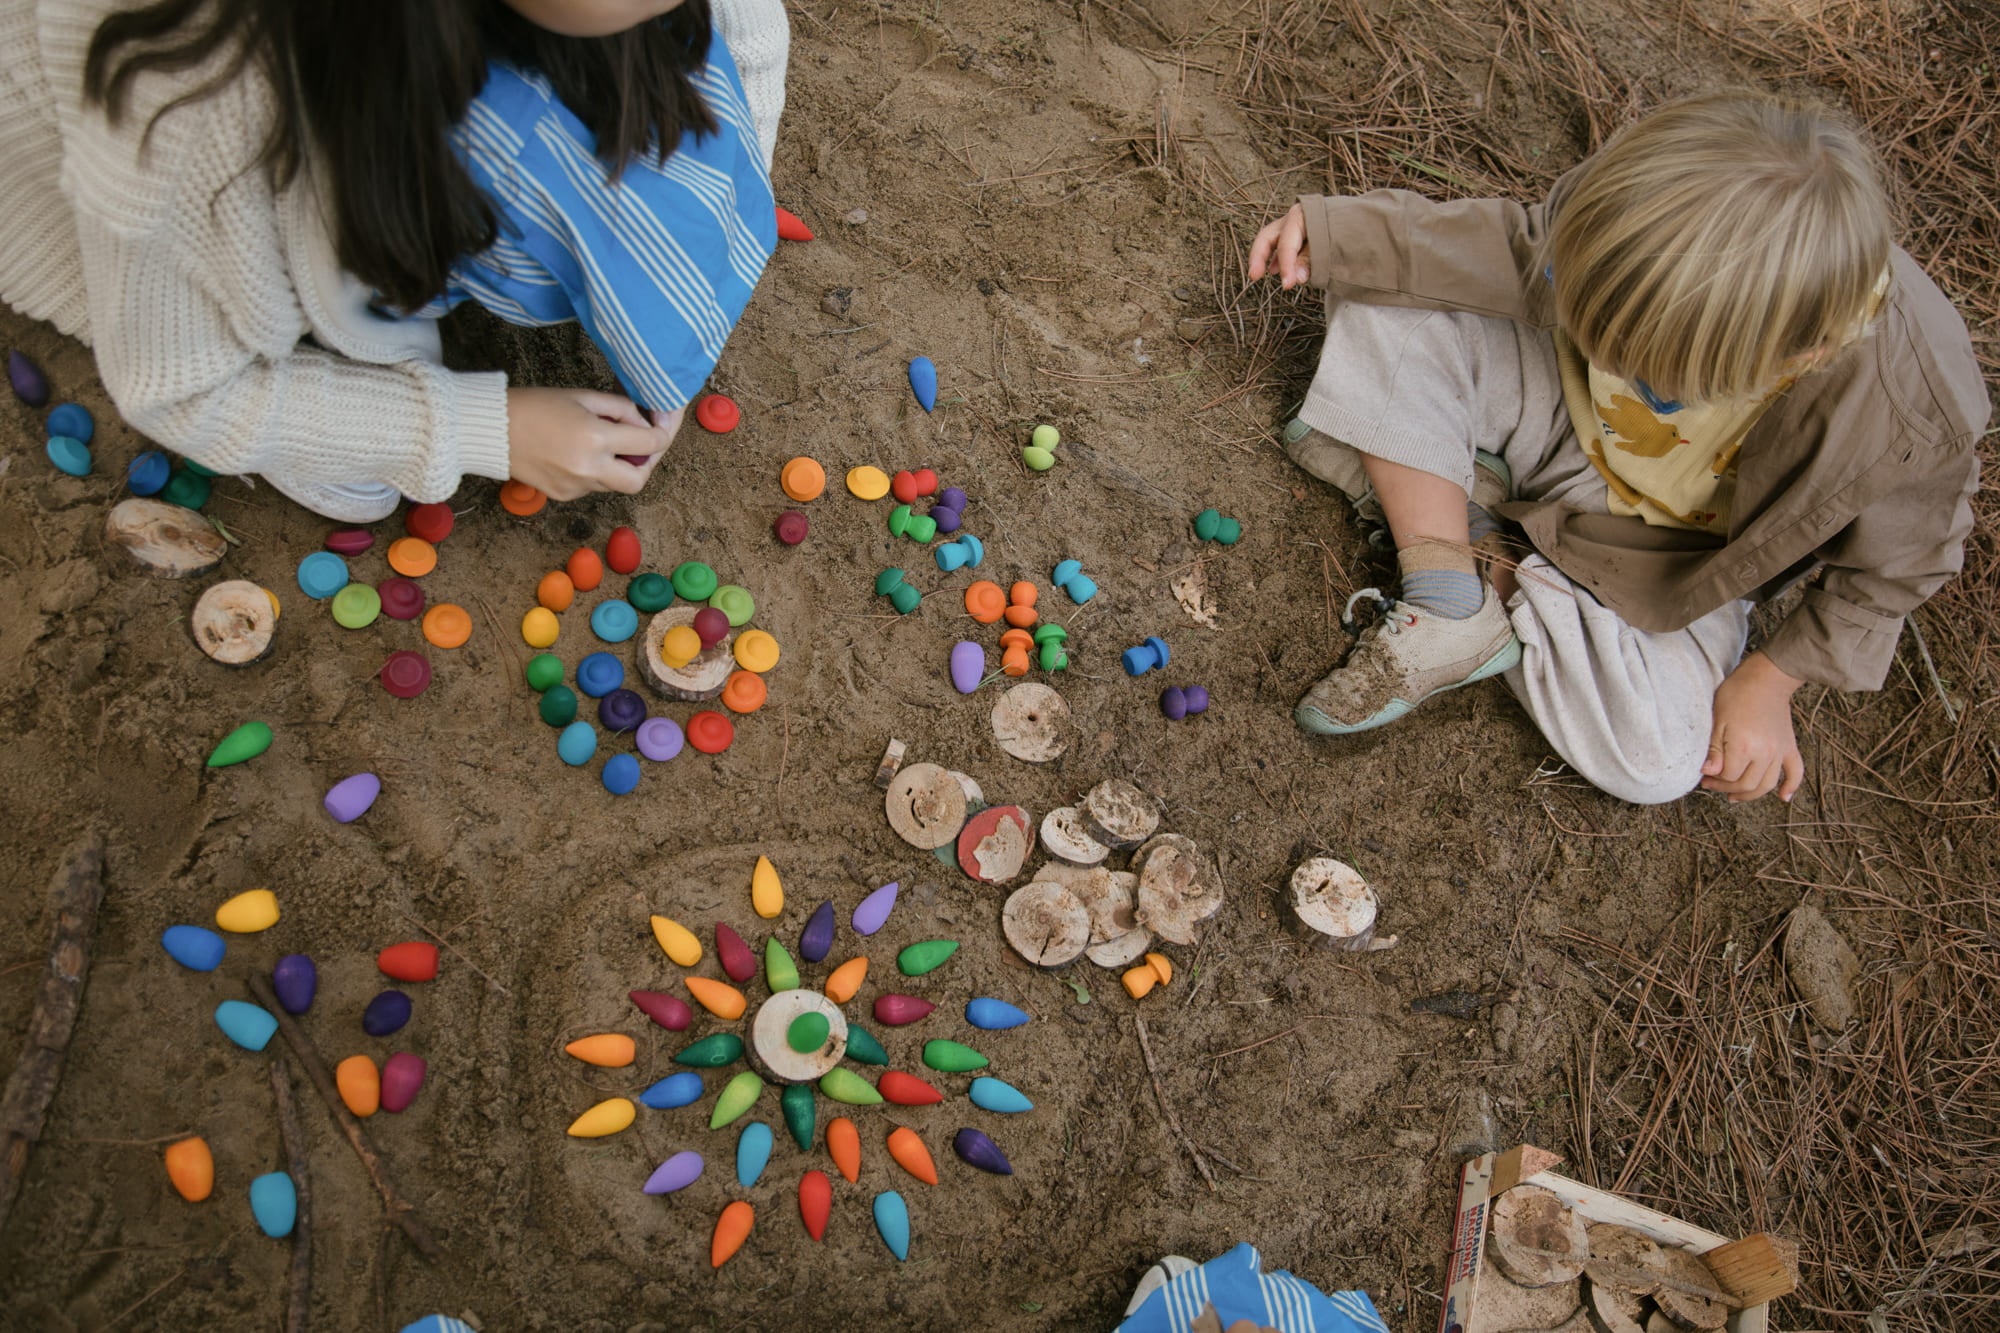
[223, 327]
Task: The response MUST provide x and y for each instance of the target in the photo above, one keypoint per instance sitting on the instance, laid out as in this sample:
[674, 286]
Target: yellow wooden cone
[248, 913]
[604, 1118]
[609, 1050]
[846, 980]
[678, 941]
[718, 997]
[767, 895]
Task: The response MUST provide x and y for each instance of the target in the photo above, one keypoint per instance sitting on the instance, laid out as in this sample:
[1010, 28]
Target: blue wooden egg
[274, 1202]
[248, 1025]
[193, 947]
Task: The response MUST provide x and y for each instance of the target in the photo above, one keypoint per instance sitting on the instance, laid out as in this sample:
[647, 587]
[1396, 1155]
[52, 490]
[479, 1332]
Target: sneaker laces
[1393, 620]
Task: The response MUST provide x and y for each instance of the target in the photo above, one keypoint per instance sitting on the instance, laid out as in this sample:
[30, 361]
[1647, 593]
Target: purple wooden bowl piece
[621, 710]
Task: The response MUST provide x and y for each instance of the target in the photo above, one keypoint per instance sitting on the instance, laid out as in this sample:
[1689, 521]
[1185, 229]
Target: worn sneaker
[1404, 658]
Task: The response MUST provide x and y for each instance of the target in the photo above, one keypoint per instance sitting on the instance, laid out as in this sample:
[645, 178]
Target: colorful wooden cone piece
[246, 742]
[248, 1025]
[902, 1089]
[863, 1048]
[790, 228]
[737, 960]
[731, 1230]
[897, 1010]
[296, 981]
[949, 1057]
[892, 1221]
[816, 941]
[194, 947]
[606, 1050]
[413, 960]
[815, 1202]
[873, 912]
[607, 1117]
[923, 382]
[978, 1150]
[669, 1011]
[724, 1048]
[992, 1015]
[682, 1089]
[767, 892]
[676, 1173]
[191, 1168]
[386, 1013]
[738, 1096]
[907, 1147]
[718, 997]
[844, 1085]
[991, 1094]
[925, 956]
[274, 1203]
[780, 972]
[846, 980]
[843, 1144]
[677, 941]
[753, 1151]
[796, 1101]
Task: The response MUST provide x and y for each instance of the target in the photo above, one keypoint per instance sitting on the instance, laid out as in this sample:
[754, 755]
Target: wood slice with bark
[770, 1050]
[1119, 815]
[1066, 835]
[1045, 924]
[168, 540]
[996, 843]
[702, 678]
[1677, 1296]
[1029, 722]
[1179, 887]
[925, 806]
[1507, 1307]
[1612, 1309]
[233, 622]
[1333, 903]
[1111, 897]
[1537, 1241]
[1622, 1257]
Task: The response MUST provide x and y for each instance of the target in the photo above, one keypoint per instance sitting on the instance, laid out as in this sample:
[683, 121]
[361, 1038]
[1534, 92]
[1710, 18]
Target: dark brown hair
[371, 91]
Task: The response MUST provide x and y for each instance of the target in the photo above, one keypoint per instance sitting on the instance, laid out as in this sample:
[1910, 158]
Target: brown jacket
[1864, 470]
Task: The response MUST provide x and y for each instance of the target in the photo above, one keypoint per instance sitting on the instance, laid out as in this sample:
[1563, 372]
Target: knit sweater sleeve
[200, 334]
[759, 36]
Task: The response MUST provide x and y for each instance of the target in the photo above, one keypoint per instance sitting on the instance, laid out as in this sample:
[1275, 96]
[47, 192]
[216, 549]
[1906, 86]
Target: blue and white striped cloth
[1238, 1287]
[657, 266]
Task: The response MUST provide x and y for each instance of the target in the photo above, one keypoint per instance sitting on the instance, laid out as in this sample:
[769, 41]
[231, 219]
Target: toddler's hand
[568, 443]
[1287, 238]
[1751, 746]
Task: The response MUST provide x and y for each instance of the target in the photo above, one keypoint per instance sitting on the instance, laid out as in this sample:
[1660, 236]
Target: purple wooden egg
[968, 667]
[386, 1013]
[621, 710]
[403, 1074]
[873, 912]
[817, 939]
[31, 386]
[348, 799]
[896, 1010]
[1174, 702]
[295, 979]
[970, 1144]
[1197, 699]
[676, 1173]
[669, 1011]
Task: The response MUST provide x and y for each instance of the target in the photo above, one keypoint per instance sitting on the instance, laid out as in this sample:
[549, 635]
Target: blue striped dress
[657, 266]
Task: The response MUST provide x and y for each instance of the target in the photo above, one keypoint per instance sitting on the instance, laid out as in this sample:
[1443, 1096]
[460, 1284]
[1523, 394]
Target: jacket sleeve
[201, 338]
[1396, 247]
[1884, 564]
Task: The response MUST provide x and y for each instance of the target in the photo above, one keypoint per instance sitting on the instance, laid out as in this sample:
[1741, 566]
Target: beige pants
[1629, 710]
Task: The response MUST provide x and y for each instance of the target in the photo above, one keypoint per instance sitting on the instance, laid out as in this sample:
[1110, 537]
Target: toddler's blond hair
[1717, 242]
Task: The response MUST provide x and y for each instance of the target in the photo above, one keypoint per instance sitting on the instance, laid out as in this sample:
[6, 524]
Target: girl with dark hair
[255, 210]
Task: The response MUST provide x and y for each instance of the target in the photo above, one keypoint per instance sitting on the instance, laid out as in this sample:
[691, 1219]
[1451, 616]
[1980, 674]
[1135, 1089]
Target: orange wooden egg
[718, 997]
[585, 568]
[910, 1153]
[843, 1143]
[360, 1085]
[745, 692]
[555, 591]
[984, 601]
[607, 1050]
[191, 1169]
[731, 1230]
[846, 980]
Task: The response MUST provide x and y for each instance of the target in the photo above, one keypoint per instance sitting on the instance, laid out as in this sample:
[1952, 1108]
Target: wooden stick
[401, 1213]
[1166, 1107]
[24, 1104]
[300, 1302]
[456, 953]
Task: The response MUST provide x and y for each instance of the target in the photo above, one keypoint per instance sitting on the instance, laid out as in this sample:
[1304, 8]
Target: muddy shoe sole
[1311, 719]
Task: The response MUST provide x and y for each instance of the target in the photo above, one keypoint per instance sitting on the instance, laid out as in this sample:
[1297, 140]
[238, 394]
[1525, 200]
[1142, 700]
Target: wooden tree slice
[996, 843]
[1178, 887]
[773, 1055]
[233, 622]
[1506, 1307]
[1110, 896]
[1612, 1310]
[1029, 722]
[702, 678]
[1537, 1242]
[1121, 950]
[1680, 1304]
[975, 795]
[171, 541]
[1066, 834]
[926, 806]
[1334, 903]
[1622, 1257]
[1119, 815]
[1045, 925]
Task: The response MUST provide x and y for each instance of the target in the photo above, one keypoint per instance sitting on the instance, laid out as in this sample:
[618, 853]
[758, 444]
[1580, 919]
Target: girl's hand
[568, 443]
[1287, 238]
[1751, 748]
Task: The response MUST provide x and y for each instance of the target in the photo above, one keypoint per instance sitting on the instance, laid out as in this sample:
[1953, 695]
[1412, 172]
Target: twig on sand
[457, 953]
[401, 1213]
[1167, 1107]
[299, 1304]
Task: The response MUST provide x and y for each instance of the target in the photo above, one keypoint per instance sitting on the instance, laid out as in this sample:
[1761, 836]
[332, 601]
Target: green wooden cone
[724, 1048]
[925, 956]
[863, 1047]
[949, 1057]
[246, 742]
[844, 1085]
[780, 972]
[738, 1096]
[797, 1103]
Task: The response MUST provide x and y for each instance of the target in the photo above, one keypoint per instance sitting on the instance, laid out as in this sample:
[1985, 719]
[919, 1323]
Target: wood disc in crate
[1029, 722]
[771, 1049]
[1683, 1306]
[1334, 902]
[233, 622]
[1179, 887]
[996, 843]
[1537, 1241]
[1622, 1257]
[171, 541]
[1066, 836]
[702, 678]
[1612, 1309]
[926, 806]
[1119, 815]
[1045, 924]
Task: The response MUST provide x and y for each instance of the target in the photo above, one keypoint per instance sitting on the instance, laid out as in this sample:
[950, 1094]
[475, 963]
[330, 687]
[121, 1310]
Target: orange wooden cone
[731, 1230]
[846, 980]
[718, 997]
[911, 1154]
[843, 1141]
[611, 1050]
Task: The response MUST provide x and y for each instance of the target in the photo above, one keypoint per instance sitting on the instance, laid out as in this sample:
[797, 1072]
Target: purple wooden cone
[295, 979]
[976, 1149]
[874, 909]
[403, 1074]
[896, 1010]
[31, 386]
[817, 941]
[676, 1173]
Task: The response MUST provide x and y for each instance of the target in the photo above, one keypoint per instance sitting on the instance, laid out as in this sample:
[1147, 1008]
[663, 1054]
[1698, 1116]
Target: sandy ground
[973, 183]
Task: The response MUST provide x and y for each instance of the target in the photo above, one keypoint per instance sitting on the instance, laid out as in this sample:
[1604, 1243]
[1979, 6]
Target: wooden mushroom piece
[1508, 1307]
[1045, 924]
[926, 806]
[770, 1037]
[1066, 836]
[702, 678]
[1179, 887]
[1119, 815]
[1682, 1294]
[170, 541]
[1536, 1240]
[233, 622]
[1334, 903]
[1030, 723]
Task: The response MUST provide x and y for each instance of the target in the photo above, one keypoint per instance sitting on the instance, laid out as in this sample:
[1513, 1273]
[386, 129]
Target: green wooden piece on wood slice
[925, 956]
[246, 742]
[807, 1033]
[950, 1057]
